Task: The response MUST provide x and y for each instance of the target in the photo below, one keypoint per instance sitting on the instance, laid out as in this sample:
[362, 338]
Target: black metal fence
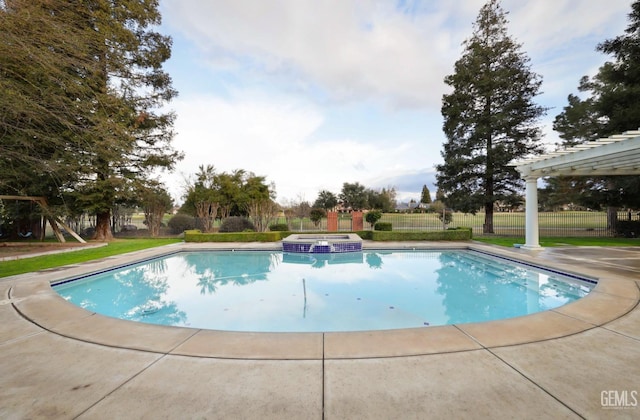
[559, 224]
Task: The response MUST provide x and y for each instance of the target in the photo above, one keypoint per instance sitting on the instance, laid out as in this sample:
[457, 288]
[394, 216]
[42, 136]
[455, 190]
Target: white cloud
[351, 49]
[247, 132]
[561, 38]
[369, 49]
[273, 138]
[550, 25]
[275, 71]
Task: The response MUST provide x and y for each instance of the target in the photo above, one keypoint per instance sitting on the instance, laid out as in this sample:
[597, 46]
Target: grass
[122, 246]
[119, 246]
[551, 242]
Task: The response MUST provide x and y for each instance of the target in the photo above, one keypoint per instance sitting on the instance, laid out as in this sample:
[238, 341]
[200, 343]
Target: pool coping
[32, 296]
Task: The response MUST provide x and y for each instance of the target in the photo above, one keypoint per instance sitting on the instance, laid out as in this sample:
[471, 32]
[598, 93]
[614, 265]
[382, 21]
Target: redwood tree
[131, 137]
[490, 118]
[84, 86]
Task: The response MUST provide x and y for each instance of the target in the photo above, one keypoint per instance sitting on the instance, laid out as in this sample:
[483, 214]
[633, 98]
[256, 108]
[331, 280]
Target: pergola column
[532, 239]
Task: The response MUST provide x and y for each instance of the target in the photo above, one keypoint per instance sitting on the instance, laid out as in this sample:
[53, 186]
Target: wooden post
[71, 231]
[53, 221]
[56, 230]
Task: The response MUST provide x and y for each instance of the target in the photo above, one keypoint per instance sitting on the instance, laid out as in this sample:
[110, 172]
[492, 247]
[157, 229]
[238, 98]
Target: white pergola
[615, 155]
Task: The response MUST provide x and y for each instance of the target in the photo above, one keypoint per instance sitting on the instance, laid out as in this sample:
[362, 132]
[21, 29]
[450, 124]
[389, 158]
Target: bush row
[628, 228]
[197, 236]
[183, 222]
[458, 234]
[383, 226]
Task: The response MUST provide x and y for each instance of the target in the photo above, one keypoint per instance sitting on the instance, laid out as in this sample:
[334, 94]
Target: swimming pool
[275, 291]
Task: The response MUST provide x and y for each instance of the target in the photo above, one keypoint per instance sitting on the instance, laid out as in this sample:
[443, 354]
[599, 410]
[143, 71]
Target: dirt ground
[11, 249]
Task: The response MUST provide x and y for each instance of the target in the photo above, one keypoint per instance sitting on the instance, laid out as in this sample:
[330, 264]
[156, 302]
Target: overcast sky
[312, 94]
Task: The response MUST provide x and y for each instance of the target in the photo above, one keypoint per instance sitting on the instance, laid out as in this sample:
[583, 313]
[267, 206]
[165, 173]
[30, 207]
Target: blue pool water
[275, 291]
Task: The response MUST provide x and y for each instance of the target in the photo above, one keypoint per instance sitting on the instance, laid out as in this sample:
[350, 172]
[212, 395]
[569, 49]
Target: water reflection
[133, 294]
[374, 260]
[322, 260]
[321, 292]
[213, 270]
[473, 285]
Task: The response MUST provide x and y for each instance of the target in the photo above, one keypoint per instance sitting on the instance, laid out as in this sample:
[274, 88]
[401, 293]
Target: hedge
[462, 234]
[196, 236]
[383, 226]
[365, 234]
[181, 222]
[628, 228]
[459, 234]
[236, 224]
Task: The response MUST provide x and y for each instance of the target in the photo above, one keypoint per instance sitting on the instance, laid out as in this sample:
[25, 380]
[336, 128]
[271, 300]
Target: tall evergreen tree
[425, 197]
[40, 69]
[85, 87]
[616, 87]
[579, 121]
[490, 118]
[612, 106]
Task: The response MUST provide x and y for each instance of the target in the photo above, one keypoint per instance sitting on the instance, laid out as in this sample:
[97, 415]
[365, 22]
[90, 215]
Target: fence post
[332, 221]
[356, 221]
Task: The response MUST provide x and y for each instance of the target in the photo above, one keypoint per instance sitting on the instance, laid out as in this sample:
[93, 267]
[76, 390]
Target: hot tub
[322, 244]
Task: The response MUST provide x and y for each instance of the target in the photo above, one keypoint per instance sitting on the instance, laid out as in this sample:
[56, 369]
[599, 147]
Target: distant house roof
[409, 206]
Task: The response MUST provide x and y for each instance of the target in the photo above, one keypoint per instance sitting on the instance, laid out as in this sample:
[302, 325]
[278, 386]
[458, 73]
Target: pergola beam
[615, 155]
[624, 153]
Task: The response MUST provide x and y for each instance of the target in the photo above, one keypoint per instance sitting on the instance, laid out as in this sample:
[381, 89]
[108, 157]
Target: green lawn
[122, 246]
[119, 246]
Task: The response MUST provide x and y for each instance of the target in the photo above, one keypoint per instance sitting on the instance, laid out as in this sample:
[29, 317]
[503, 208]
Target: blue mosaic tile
[321, 247]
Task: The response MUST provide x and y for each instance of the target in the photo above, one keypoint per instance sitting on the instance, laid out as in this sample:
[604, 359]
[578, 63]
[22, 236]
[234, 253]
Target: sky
[312, 94]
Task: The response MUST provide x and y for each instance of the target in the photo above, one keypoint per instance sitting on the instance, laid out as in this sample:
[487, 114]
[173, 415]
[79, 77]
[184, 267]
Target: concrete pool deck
[579, 360]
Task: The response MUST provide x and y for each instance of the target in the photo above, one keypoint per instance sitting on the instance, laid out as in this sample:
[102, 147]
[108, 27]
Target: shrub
[383, 226]
[365, 234]
[88, 232]
[237, 224]
[373, 216]
[181, 222]
[280, 227]
[129, 228]
[462, 234]
[196, 236]
[447, 216]
[316, 215]
[628, 228]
